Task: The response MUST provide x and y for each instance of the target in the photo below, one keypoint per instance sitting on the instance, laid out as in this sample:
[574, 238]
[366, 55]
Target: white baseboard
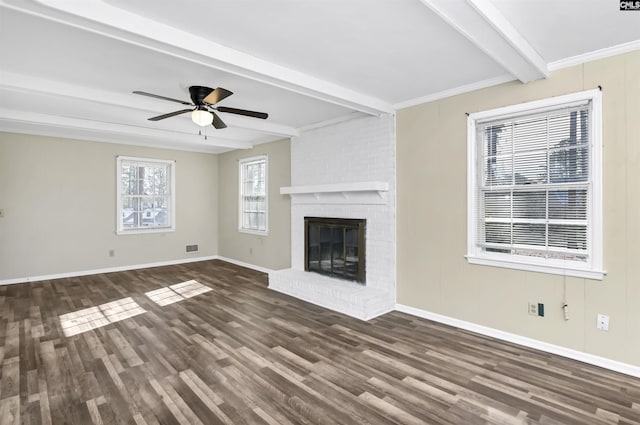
[131, 267]
[107, 270]
[603, 362]
[243, 264]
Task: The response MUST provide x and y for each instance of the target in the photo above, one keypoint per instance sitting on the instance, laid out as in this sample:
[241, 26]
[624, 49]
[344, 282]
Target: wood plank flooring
[237, 353]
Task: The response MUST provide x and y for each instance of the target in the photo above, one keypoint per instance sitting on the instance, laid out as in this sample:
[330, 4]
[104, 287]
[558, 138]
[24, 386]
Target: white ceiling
[67, 68]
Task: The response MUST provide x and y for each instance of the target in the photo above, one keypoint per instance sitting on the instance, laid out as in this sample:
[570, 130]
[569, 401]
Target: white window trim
[120, 230]
[241, 163]
[592, 269]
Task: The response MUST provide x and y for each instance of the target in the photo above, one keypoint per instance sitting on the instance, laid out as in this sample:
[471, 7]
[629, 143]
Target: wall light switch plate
[603, 322]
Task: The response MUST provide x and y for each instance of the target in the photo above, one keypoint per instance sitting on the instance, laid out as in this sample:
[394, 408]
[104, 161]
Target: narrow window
[145, 192]
[535, 186]
[253, 195]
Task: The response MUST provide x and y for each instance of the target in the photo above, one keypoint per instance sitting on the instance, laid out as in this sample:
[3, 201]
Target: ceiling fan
[202, 100]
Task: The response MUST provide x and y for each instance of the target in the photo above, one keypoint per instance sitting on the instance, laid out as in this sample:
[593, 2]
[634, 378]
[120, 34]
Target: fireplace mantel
[370, 193]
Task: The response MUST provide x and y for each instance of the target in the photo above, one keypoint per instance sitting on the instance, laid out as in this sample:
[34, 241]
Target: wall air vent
[192, 248]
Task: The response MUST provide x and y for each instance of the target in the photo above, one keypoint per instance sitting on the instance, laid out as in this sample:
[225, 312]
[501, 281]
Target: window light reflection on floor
[177, 292]
[95, 317]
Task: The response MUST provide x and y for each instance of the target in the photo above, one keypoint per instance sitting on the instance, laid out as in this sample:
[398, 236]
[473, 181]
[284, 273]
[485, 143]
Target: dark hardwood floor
[137, 348]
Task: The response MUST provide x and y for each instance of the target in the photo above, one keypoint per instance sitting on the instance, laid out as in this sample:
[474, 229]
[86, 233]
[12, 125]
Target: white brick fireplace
[346, 170]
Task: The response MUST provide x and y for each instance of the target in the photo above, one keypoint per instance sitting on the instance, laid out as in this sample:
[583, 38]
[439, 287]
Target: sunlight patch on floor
[95, 317]
[177, 292]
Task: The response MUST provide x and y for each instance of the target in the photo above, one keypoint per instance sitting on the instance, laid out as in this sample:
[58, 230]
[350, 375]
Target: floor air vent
[192, 248]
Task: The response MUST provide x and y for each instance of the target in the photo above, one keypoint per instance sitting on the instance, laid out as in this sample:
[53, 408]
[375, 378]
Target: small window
[535, 186]
[253, 195]
[145, 191]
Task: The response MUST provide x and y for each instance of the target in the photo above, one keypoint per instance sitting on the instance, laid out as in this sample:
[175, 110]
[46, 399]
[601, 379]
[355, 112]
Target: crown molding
[455, 91]
[333, 121]
[595, 55]
[553, 66]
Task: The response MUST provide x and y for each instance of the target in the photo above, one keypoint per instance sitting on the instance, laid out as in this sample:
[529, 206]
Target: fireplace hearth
[335, 247]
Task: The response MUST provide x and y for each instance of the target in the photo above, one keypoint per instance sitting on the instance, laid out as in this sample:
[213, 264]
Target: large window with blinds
[535, 186]
[253, 195]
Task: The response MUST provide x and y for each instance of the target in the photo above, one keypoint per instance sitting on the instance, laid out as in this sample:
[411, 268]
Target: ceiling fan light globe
[202, 118]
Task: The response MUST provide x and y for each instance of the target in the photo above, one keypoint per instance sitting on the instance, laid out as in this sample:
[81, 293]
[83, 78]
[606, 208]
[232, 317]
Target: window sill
[550, 269]
[122, 232]
[254, 232]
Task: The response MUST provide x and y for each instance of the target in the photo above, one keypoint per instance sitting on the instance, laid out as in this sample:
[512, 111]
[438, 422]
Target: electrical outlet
[533, 309]
[603, 322]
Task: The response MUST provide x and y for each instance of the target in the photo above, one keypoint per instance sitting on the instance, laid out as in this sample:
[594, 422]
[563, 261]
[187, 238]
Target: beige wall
[274, 250]
[433, 274]
[59, 200]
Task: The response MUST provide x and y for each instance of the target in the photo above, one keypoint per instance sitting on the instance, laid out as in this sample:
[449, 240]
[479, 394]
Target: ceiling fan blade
[162, 97]
[217, 95]
[169, 115]
[217, 122]
[244, 112]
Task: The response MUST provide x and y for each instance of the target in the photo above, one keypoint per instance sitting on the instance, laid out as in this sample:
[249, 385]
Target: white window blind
[534, 184]
[253, 194]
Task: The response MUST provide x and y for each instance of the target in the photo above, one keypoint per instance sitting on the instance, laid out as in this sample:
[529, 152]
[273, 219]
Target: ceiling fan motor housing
[198, 93]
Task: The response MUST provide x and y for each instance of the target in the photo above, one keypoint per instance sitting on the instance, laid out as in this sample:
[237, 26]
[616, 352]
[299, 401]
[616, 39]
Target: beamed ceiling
[68, 68]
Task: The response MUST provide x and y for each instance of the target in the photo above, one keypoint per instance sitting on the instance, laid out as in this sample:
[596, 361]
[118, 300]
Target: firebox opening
[335, 247]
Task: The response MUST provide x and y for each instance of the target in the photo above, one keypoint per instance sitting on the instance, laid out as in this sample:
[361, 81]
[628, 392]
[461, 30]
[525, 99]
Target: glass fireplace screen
[335, 247]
